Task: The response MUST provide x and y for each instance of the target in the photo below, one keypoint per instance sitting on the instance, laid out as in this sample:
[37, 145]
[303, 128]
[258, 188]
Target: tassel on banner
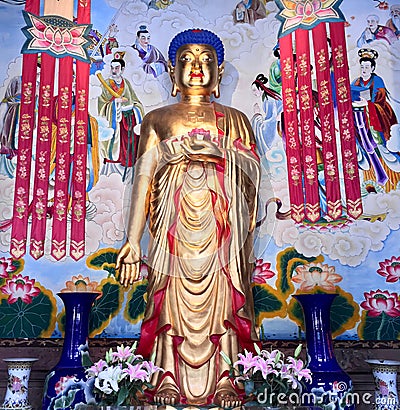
[291, 130]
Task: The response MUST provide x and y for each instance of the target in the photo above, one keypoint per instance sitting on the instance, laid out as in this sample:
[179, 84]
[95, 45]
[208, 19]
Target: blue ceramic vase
[66, 384]
[331, 386]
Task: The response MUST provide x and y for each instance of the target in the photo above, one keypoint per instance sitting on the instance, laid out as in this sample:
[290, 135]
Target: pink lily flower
[136, 372]
[247, 360]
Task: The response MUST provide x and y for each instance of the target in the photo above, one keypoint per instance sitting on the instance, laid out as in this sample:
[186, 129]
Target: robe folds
[200, 258]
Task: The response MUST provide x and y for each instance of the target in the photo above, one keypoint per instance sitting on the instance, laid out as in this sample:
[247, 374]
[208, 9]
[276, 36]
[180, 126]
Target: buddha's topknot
[196, 36]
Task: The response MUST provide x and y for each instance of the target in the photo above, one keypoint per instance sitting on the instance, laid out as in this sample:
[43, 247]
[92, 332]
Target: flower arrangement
[269, 375]
[121, 378]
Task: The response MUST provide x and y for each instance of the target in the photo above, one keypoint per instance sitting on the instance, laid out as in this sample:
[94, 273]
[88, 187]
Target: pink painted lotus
[390, 269]
[20, 287]
[381, 301]
[262, 272]
[6, 267]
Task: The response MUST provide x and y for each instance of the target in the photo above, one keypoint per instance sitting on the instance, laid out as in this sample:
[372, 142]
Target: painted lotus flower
[262, 272]
[56, 37]
[307, 12]
[80, 284]
[381, 301]
[316, 275]
[20, 287]
[390, 268]
[6, 267]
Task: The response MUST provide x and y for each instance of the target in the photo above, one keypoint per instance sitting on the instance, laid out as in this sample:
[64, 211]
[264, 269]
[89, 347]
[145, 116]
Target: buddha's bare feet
[226, 398]
[166, 396]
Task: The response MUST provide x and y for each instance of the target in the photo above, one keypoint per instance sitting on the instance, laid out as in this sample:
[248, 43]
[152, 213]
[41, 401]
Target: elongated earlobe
[216, 90]
[171, 71]
[174, 91]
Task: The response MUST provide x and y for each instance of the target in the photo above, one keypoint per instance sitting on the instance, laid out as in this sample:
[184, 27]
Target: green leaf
[341, 312]
[265, 301]
[104, 259]
[65, 401]
[26, 320]
[122, 395]
[136, 305]
[86, 360]
[382, 327]
[104, 308]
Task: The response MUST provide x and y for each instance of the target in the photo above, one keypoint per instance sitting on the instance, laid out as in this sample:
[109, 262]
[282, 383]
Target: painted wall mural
[351, 249]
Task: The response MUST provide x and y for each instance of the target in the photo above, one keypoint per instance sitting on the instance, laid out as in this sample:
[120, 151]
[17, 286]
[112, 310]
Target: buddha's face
[196, 71]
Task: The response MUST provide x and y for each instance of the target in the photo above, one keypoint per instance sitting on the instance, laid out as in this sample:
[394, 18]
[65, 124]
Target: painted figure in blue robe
[153, 60]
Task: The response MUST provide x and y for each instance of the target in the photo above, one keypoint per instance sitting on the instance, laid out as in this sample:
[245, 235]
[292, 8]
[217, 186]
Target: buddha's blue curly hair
[196, 36]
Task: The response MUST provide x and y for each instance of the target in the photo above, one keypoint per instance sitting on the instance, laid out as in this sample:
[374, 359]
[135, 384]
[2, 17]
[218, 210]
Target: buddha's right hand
[128, 264]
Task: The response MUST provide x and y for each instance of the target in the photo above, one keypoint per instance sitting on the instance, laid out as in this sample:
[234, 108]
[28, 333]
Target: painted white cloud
[309, 243]
[377, 232]
[394, 142]
[107, 197]
[350, 250]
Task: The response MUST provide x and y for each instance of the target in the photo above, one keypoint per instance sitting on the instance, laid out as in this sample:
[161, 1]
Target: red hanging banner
[50, 35]
[306, 108]
[81, 130]
[63, 113]
[346, 123]
[293, 147]
[25, 142]
[42, 156]
[329, 149]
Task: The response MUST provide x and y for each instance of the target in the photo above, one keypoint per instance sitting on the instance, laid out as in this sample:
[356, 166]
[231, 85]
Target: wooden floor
[351, 356]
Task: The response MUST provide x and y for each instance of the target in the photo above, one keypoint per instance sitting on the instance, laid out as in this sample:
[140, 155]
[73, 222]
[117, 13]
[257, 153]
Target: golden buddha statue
[196, 181]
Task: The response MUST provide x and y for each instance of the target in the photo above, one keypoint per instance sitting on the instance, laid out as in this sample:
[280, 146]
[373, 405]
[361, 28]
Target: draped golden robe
[201, 220]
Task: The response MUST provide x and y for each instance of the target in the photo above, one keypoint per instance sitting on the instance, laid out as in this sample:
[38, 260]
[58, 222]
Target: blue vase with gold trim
[331, 386]
[66, 385]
